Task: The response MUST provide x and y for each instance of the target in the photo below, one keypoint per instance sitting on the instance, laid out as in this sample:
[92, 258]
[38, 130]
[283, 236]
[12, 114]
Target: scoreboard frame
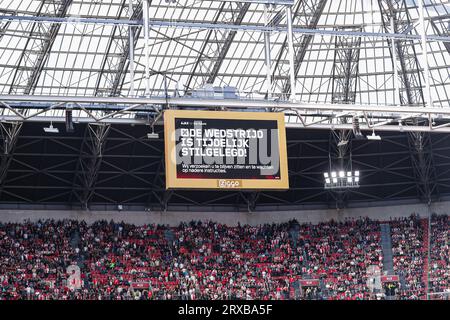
[173, 182]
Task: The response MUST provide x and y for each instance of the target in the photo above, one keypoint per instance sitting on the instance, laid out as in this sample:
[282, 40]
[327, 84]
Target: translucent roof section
[76, 58]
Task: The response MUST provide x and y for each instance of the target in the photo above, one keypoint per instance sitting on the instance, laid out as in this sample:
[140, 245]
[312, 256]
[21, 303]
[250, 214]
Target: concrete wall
[229, 218]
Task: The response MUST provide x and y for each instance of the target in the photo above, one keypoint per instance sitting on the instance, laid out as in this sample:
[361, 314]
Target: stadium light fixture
[373, 136]
[51, 129]
[341, 179]
[153, 134]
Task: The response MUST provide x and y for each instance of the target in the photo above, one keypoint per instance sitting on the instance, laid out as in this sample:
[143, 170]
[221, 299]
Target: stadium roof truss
[114, 66]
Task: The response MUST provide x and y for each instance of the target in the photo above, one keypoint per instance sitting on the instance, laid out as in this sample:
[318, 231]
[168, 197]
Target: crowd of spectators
[209, 260]
[408, 256]
[439, 254]
[340, 254]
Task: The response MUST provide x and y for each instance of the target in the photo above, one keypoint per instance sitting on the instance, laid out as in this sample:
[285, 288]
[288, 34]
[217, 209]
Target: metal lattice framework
[116, 65]
[397, 17]
[345, 69]
[37, 48]
[345, 77]
[118, 56]
[90, 160]
[441, 26]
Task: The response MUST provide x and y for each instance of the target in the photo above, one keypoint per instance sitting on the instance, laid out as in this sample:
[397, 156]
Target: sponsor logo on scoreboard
[229, 184]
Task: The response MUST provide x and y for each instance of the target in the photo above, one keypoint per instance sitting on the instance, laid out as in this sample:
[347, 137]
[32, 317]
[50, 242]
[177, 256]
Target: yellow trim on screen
[172, 182]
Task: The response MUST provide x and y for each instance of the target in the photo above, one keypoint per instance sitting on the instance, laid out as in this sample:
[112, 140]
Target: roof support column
[345, 80]
[9, 134]
[305, 13]
[424, 55]
[267, 54]
[397, 99]
[131, 48]
[91, 161]
[396, 19]
[291, 53]
[146, 27]
[119, 54]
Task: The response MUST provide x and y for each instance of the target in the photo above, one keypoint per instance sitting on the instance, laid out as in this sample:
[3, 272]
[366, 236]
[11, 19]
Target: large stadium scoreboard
[225, 150]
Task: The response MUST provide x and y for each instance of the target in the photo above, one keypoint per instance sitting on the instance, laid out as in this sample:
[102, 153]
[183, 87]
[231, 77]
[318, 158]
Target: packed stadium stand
[439, 259]
[409, 256]
[211, 149]
[213, 261]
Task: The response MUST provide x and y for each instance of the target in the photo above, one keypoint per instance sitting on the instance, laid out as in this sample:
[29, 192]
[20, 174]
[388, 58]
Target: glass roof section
[93, 59]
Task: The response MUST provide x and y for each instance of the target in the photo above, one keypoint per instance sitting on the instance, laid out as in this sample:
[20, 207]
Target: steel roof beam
[441, 26]
[227, 44]
[115, 65]
[4, 26]
[90, 160]
[9, 133]
[223, 27]
[226, 103]
[325, 126]
[36, 61]
[345, 69]
[316, 7]
[396, 18]
[204, 46]
[345, 77]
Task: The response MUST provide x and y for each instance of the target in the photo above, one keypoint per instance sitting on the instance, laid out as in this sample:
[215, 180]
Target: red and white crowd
[440, 261]
[408, 254]
[214, 261]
